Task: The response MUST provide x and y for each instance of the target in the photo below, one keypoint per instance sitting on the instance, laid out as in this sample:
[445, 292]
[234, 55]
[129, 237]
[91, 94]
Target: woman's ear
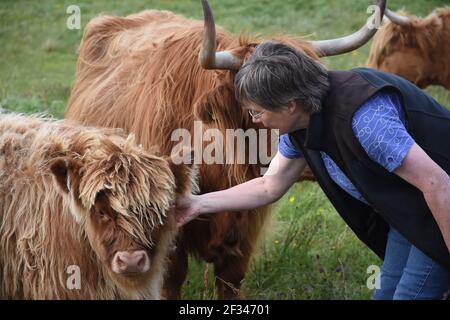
[292, 107]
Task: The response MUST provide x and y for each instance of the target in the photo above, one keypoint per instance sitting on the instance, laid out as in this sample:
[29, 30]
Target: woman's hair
[277, 74]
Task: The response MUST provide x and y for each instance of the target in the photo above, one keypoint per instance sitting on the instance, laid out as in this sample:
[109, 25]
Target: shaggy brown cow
[141, 73]
[75, 199]
[417, 49]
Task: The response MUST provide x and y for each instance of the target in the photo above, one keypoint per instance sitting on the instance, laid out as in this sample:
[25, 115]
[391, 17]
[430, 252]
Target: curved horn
[397, 18]
[209, 58]
[349, 43]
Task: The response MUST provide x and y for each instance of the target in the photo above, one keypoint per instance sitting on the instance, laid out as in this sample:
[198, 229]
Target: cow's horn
[397, 18]
[349, 43]
[209, 58]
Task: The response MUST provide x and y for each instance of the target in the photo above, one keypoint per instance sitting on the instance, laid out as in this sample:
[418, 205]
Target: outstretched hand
[186, 209]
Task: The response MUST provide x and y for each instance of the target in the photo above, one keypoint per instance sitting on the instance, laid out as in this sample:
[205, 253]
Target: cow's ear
[60, 168]
[185, 172]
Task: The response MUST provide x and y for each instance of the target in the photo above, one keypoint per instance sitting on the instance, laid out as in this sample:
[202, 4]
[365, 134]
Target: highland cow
[83, 199]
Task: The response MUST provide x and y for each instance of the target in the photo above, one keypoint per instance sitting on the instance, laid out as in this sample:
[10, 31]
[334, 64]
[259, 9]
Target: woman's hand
[255, 193]
[186, 209]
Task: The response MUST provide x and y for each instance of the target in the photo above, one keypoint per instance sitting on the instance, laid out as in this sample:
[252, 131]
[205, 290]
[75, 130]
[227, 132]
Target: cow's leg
[229, 274]
[176, 273]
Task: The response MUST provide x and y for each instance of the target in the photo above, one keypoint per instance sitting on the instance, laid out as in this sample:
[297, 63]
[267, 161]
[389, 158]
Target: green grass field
[307, 252]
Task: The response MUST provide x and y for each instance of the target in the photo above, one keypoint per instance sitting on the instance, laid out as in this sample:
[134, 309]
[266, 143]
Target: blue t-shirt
[379, 125]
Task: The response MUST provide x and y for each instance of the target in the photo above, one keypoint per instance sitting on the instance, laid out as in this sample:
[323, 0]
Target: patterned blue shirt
[379, 125]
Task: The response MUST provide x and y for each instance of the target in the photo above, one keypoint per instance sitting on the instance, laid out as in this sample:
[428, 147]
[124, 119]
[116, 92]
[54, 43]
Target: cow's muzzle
[125, 262]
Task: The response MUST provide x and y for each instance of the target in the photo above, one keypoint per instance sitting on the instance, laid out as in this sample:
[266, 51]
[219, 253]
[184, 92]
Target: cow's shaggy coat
[418, 52]
[73, 196]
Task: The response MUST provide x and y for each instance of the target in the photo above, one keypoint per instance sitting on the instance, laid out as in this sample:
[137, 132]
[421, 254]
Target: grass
[308, 252]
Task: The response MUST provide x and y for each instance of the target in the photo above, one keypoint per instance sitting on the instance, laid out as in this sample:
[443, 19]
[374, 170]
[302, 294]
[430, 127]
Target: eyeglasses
[255, 115]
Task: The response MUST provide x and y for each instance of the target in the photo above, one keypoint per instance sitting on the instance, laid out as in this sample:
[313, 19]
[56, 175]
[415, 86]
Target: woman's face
[286, 119]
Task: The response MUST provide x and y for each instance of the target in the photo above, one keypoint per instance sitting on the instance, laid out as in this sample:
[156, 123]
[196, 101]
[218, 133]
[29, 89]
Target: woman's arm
[422, 172]
[281, 174]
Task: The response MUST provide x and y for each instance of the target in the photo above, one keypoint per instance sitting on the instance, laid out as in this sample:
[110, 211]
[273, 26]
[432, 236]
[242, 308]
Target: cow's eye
[103, 217]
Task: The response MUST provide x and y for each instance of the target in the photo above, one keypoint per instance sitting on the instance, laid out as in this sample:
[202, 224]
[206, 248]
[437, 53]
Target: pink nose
[130, 262]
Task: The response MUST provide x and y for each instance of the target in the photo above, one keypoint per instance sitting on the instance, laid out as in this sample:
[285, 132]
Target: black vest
[392, 200]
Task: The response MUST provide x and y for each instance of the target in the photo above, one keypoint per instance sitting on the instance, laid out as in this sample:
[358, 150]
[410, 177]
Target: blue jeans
[408, 274]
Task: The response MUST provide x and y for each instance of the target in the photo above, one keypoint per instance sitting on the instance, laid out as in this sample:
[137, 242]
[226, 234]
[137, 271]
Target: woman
[363, 133]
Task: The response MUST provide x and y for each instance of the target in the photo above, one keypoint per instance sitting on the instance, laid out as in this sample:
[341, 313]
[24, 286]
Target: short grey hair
[277, 74]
